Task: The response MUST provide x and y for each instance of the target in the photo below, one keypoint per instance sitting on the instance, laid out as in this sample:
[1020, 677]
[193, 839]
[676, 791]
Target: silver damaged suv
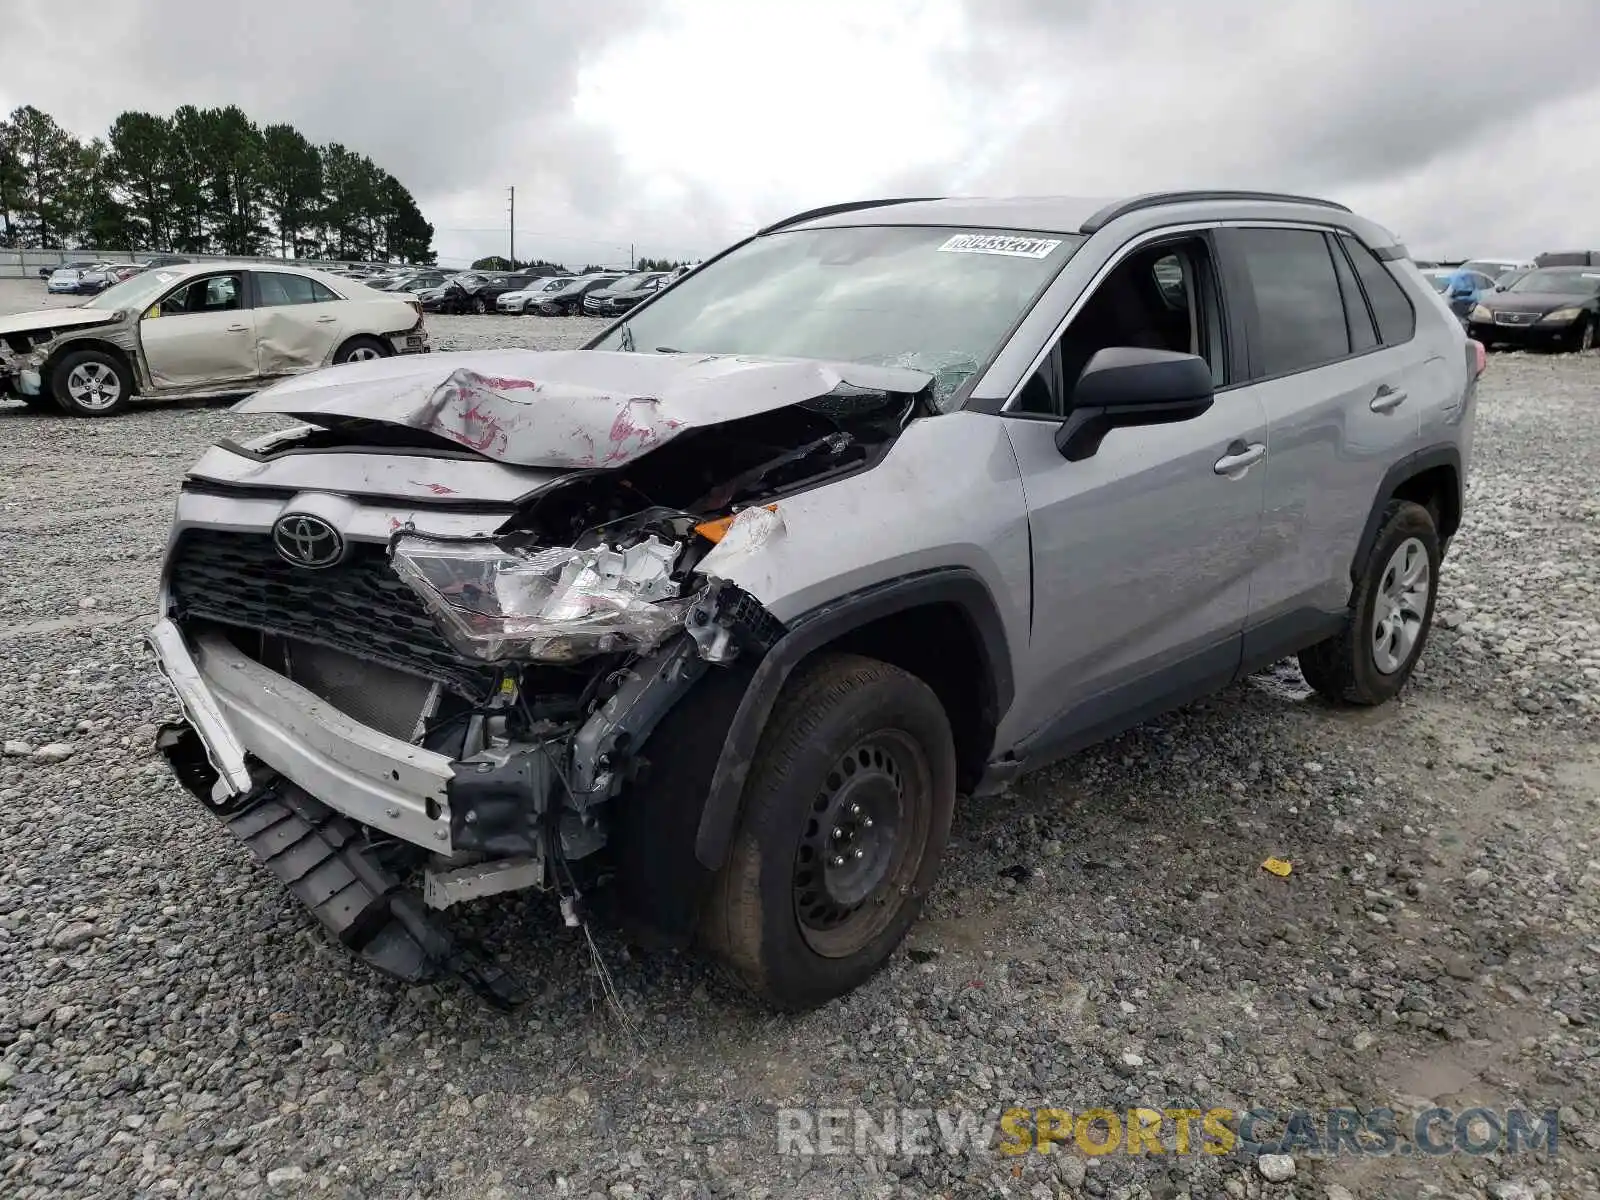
[704, 629]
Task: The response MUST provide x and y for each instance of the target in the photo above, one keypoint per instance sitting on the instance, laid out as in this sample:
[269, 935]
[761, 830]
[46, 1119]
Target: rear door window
[278, 288]
[1300, 313]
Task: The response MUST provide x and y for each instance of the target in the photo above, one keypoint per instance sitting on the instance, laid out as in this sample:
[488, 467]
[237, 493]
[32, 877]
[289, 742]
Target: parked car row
[596, 294]
[91, 278]
[1551, 301]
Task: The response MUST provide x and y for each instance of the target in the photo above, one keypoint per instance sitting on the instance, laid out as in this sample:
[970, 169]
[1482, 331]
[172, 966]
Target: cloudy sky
[678, 125]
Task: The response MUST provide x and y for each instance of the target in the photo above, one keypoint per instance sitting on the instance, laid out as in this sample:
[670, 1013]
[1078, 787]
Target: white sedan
[521, 301]
[200, 329]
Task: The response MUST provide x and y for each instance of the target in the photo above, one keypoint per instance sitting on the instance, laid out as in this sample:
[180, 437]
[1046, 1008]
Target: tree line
[202, 181]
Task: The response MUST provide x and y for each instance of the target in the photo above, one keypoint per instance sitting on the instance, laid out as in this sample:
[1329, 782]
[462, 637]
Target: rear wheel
[361, 349]
[91, 383]
[846, 814]
[1390, 615]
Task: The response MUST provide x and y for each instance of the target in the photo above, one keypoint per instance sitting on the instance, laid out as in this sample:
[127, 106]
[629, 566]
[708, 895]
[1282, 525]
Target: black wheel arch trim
[815, 630]
[1445, 455]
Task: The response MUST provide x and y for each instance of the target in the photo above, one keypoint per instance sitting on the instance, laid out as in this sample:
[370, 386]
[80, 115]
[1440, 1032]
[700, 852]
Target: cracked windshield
[931, 299]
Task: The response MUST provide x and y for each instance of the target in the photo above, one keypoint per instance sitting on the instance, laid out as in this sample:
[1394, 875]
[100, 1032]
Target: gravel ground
[172, 1022]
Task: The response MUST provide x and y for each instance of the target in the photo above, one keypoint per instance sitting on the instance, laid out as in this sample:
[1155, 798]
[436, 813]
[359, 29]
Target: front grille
[360, 606]
[1515, 318]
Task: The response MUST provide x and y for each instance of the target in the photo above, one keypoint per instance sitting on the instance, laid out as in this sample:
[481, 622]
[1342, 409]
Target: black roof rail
[1157, 199]
[829, 210]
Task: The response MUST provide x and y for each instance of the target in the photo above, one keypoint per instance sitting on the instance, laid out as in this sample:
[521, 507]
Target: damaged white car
[196, 330]
[707, 626]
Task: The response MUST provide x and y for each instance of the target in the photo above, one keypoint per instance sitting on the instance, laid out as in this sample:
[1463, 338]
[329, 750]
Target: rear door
[201, 334]
[1341, 377]
[298, 322]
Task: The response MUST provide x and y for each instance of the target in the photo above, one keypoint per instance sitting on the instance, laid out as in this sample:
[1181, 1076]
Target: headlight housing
[1481, 313]
[1561, 316]
[558, 604]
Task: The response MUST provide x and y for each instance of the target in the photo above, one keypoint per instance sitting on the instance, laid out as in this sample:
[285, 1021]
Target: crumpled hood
[65, 317]
[568, 408]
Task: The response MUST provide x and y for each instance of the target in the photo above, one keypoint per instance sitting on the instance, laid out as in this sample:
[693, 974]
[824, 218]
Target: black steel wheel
[856, 846]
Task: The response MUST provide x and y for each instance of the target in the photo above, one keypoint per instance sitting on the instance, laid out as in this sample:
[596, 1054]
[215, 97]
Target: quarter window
[1300, 316]
[1362, 334]
[1397, 320]
[278, 288]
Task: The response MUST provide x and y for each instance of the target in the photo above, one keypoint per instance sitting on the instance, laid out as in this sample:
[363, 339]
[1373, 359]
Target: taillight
[1481, 354]
[416, 307]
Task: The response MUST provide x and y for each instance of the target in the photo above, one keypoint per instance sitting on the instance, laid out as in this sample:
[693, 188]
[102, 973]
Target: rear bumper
[241, 711]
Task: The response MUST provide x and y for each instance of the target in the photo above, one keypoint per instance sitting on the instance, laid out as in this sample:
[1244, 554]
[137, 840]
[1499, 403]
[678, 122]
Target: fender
[959, 587]
[1445, 455]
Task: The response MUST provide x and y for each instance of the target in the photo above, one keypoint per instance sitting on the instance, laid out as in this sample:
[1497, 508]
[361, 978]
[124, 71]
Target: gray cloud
[1437, 119]
[1344, 97]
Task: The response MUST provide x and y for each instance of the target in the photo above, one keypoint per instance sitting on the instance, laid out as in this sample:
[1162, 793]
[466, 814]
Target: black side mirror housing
[1126, 385]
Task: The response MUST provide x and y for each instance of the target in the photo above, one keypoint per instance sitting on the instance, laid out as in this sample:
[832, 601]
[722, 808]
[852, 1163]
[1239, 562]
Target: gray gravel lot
[172, 1023]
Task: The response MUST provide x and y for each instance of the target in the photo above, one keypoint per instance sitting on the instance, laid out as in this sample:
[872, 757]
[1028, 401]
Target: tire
[480, 306]
[855, 748]
[91, 383]
[361, 349]
[1369, 661]
[1583, 339]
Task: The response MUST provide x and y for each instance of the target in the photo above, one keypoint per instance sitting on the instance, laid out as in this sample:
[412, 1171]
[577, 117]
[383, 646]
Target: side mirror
[1125, 386]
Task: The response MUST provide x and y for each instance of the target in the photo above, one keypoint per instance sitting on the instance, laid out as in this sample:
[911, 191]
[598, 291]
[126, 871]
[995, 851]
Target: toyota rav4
[707, 627]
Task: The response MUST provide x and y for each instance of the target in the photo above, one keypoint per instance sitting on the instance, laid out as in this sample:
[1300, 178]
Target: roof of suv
[1073, 214]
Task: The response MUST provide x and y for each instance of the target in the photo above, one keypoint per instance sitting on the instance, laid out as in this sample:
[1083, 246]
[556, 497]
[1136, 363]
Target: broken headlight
[548, 605]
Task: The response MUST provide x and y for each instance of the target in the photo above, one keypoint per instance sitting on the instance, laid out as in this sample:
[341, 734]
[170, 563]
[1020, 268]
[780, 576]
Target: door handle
[1387, 400]
[1237, 460]
[238, 329]
[326, 320]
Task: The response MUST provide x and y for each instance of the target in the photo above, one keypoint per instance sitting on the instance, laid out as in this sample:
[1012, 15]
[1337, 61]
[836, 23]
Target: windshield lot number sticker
[999, 243]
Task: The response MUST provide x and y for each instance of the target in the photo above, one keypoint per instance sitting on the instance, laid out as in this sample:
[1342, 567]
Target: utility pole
[630, 256]
[513, 192]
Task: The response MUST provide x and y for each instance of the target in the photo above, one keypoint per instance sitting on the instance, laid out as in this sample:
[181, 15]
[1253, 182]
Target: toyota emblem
[307, 541]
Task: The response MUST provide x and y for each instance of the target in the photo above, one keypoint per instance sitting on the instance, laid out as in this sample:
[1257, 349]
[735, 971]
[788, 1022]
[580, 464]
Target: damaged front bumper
[241, 710]
[344, 813]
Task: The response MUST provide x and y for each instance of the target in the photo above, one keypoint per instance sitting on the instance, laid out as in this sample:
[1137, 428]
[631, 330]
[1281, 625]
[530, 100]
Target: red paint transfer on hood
[567, 408]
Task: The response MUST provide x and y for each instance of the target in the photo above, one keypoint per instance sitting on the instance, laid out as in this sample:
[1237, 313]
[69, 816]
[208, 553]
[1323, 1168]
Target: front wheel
[91, 383]
[1584, 339]
[846, 814]
[480, 306]
[1369, 661]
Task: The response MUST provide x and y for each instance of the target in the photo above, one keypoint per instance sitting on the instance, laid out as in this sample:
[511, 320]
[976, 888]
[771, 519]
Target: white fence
[26, 264]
